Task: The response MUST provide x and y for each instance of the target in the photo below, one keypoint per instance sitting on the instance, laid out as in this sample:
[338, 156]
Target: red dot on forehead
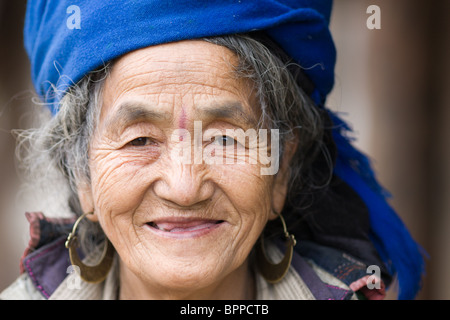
[183, 118]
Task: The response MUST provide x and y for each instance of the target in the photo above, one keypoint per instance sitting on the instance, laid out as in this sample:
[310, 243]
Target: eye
[140, 142]
[224, 141]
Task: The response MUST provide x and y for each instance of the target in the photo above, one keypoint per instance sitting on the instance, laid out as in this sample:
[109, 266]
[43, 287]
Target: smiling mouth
[184, 227]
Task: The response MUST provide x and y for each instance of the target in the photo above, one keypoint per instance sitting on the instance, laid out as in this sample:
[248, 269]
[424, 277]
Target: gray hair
[62, 144]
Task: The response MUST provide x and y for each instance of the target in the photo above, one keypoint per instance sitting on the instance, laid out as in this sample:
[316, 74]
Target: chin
[184, 278]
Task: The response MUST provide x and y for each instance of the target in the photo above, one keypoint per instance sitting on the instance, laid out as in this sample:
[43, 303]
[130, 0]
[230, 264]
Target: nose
[185, 185]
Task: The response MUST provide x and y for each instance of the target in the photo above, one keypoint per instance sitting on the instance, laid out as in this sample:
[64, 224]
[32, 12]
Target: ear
[281, 179]
[86, 200]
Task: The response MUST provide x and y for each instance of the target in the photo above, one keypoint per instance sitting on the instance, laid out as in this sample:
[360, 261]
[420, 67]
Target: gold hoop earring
[272, 272]
[91, 274]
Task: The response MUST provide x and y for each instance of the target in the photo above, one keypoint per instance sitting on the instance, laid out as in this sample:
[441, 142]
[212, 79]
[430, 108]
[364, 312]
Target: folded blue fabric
[61, 54]
[107, 29]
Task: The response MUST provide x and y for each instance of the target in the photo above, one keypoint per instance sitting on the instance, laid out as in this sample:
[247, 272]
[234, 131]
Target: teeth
[187, 228]
[154, 225]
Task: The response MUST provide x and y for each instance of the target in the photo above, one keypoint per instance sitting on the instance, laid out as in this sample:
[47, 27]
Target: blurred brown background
[392, 85]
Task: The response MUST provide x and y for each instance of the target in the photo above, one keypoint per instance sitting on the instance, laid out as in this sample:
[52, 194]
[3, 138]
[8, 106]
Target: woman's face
[179, 223]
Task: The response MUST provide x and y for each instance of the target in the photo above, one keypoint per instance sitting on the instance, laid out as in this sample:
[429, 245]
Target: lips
[184, 226]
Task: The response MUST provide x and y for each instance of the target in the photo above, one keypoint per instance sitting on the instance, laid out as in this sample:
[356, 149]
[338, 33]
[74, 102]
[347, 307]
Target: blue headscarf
[65, 40]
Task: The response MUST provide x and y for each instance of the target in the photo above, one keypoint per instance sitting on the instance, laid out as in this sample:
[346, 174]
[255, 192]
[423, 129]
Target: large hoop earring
[272, 272]
[91, 274]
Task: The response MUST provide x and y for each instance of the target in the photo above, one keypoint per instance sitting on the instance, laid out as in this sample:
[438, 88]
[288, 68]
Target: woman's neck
[239, 285]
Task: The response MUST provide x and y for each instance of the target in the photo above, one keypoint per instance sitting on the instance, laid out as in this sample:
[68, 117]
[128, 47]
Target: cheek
[251, 196]
[118, 182]
[250, 193]
[119, 185]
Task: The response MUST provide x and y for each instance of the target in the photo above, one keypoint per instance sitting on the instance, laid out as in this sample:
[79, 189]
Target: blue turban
[65, 40]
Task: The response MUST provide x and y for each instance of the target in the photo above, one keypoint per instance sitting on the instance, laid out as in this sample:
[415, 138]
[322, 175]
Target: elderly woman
[200, 159]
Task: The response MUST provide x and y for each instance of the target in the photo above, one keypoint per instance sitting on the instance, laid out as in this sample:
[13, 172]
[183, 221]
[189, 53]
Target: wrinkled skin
[181, 230]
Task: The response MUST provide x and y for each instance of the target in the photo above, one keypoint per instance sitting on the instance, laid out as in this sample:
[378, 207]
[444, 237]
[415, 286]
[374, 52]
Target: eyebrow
[131, 112]
[228, 111]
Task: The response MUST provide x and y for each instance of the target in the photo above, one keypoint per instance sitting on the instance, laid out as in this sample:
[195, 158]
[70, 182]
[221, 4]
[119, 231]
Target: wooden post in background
[15, 98]
[394, 83]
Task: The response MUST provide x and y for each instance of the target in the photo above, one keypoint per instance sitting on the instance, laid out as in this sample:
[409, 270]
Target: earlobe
[86, 201]
[281, 180]
[93, 217]
[278, 198]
